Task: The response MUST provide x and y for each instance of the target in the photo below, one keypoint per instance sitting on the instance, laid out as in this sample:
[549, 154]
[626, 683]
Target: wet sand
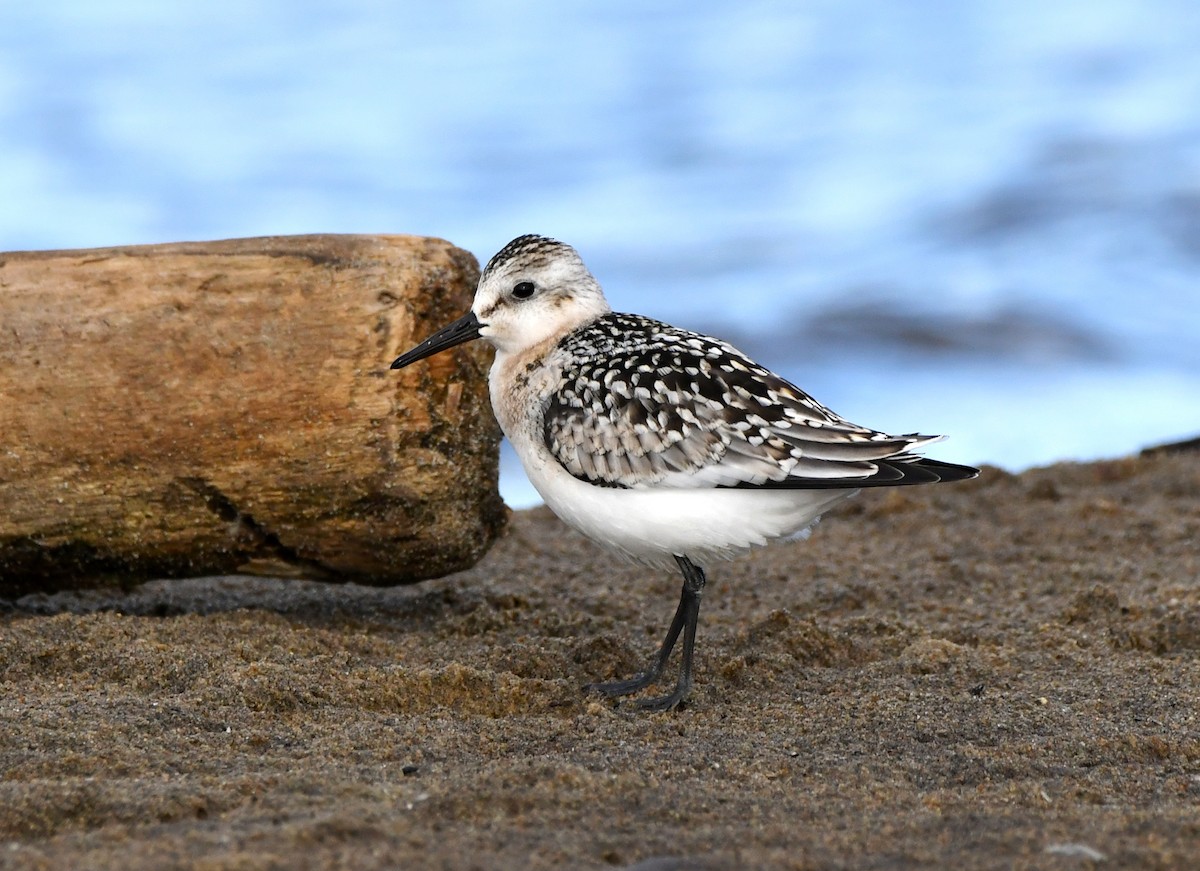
[1001, 673]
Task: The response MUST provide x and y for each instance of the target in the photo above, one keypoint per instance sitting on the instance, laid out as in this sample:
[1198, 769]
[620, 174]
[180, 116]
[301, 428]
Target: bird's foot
[626, 687]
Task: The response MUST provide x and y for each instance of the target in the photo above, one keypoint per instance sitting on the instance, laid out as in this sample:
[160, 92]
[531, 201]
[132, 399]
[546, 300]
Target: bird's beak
[462, 330]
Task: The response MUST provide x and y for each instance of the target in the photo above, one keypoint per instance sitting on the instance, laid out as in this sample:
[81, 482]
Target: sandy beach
[995, 674]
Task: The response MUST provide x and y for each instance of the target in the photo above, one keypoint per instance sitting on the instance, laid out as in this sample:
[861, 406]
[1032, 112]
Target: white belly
[649, 526]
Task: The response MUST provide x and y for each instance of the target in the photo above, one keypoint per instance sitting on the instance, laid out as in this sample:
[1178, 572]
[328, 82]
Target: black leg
[687, 615]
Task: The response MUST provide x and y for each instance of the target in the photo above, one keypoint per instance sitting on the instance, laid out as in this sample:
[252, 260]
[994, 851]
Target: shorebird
[662, 444]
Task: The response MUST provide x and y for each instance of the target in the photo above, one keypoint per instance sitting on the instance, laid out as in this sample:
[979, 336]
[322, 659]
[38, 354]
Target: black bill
[462, 330]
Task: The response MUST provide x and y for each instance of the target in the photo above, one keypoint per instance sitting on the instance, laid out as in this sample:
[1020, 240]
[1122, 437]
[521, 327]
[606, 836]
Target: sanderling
[662, 444]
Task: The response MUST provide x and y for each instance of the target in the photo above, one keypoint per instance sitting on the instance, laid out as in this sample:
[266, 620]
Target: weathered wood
[199, 408]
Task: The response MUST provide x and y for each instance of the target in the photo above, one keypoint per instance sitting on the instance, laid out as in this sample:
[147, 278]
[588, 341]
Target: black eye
[523, 289]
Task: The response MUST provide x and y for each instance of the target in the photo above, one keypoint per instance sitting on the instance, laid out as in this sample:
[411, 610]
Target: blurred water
[980, 219]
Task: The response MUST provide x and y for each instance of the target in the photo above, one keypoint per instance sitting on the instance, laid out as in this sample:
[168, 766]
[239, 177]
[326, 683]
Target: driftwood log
[203, 408]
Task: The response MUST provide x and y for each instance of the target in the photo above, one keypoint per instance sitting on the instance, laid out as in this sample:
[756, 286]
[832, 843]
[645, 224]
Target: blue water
[974, 218]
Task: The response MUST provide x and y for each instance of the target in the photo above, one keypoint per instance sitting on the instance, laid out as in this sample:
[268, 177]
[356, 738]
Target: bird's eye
[523, 289]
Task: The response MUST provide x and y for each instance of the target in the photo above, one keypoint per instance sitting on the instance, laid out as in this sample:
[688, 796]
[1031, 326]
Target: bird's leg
[650, 675]
[687, 615]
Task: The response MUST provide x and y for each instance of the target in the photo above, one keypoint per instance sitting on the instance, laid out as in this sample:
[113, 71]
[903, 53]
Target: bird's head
[533, 290]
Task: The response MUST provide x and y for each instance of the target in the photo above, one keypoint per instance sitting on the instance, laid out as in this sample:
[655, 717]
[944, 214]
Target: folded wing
[649, 405]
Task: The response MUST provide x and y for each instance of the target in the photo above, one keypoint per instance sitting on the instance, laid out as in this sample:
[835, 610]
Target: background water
[974, 218]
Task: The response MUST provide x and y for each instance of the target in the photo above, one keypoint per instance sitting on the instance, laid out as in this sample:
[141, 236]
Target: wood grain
[197, 408]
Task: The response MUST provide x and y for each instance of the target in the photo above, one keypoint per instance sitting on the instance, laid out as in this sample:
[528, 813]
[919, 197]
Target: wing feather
[642, 404]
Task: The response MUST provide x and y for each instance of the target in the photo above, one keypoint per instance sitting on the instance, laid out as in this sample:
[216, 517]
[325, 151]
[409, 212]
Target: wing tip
[947, 472]
[889, 473]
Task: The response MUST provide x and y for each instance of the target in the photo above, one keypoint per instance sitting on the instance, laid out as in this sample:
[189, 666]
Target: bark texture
[198, 408]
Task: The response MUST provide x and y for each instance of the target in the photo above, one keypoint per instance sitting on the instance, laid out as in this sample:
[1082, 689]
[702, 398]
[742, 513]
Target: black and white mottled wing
[644, 404]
